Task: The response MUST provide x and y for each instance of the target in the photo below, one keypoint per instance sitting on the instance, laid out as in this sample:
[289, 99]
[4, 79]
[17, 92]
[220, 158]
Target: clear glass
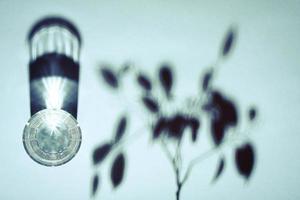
[52, 137]
[54, 39]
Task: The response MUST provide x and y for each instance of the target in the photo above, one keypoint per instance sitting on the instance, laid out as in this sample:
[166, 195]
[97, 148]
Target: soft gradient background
[264, 70]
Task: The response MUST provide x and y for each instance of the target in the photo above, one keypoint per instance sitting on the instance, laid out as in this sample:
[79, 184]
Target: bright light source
[54, 93]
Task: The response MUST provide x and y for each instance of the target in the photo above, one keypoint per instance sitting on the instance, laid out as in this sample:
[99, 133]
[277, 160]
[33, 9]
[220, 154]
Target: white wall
[263, 70]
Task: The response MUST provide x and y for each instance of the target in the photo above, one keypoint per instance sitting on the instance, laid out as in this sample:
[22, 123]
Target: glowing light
[54, 92]
[52, 121]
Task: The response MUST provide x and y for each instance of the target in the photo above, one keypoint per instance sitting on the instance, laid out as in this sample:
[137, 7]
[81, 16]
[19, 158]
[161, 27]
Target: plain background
[263, 70]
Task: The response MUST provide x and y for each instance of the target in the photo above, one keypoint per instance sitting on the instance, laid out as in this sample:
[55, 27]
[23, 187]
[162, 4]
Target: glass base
[52, 137]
